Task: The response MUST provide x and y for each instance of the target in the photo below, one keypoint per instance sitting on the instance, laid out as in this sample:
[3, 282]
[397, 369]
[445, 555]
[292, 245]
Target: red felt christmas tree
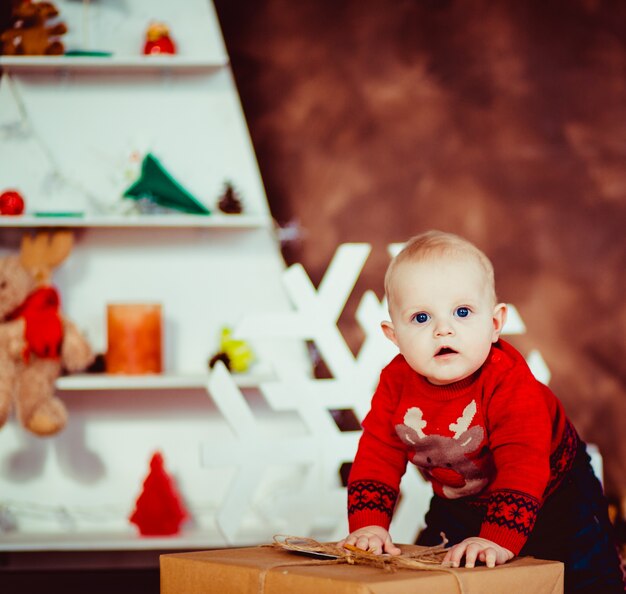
[159, 510]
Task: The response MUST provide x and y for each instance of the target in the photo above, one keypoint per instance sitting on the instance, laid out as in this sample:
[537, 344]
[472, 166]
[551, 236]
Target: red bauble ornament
[159, 510]
[165, 45]
[11, 203]
[158, 40]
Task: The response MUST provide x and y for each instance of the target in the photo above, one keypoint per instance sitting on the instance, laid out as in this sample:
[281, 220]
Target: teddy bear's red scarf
[44, 327]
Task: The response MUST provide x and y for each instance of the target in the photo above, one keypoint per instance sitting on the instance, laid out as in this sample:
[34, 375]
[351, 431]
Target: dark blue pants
[572, 527]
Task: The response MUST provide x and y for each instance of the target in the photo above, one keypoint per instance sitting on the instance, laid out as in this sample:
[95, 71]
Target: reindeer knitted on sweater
[36, 341]
[451, 463]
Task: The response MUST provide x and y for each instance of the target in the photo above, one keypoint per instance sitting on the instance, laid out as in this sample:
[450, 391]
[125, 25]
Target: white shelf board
[108, 541]
[217, 220]
[104, 381]
[110, 64]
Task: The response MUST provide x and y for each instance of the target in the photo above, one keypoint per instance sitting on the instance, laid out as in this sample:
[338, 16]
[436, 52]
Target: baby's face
[444, 318]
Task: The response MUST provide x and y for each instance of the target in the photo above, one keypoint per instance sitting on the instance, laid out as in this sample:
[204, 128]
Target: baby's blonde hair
[432, 244]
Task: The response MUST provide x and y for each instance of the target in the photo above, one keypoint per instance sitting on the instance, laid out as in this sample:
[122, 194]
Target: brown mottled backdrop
[502, 121]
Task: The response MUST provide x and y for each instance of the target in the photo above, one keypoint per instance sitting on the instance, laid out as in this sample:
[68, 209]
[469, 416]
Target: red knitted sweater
[498, 439]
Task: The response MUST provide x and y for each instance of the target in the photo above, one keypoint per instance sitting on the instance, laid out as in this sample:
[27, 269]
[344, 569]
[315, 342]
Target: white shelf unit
[109, 64]
[206, 271]
[107, 541]
[204, 278]
[101, 381]
[183, 108]
[216, 221]
[122, 540]
[116, 31]
[83, 159]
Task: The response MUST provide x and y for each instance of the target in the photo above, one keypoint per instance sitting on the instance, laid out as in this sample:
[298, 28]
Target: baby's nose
[443, 328]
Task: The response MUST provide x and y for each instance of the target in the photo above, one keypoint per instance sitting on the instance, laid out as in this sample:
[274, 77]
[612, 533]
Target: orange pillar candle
[134, 338]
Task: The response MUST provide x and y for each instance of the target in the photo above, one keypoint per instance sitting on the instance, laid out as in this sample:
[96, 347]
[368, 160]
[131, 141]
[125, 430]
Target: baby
[509, 472]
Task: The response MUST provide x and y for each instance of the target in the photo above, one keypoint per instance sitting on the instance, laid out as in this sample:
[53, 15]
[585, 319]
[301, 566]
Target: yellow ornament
[238, 353]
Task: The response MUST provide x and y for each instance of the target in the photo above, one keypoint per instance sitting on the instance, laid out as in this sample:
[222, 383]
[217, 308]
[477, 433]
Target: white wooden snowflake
[307, 498]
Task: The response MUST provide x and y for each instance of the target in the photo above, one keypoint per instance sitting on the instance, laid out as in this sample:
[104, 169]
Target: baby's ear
[499, 319]
[389, 332]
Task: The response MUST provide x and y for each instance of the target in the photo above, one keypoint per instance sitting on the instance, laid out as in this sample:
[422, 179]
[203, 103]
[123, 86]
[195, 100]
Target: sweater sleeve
[520, 435]
[380, 461]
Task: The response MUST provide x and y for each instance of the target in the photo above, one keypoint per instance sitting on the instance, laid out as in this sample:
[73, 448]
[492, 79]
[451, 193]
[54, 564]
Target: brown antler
[414, 418]
[463, 422]
[44, 252]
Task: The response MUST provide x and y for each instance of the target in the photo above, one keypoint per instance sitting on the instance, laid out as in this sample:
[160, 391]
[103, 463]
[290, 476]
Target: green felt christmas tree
[158, 186]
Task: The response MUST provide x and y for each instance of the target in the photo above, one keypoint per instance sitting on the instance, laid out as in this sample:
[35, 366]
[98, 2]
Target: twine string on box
[428, 559]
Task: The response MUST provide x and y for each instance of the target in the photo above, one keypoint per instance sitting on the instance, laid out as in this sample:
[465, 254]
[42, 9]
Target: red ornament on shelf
[158, 40]
[159, 510]
[11, 203]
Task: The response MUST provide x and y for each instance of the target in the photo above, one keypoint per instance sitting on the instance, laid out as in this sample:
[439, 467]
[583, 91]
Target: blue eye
[462, 312]
[421, 318]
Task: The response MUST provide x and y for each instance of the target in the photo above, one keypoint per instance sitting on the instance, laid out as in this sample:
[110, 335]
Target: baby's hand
[477, 548]
[373, 539]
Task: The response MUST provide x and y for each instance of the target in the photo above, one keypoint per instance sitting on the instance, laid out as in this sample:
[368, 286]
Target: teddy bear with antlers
[36, 342]
[32, 30]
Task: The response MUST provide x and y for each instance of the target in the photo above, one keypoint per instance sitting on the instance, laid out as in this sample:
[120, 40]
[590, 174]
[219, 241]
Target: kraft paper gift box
[266, 570]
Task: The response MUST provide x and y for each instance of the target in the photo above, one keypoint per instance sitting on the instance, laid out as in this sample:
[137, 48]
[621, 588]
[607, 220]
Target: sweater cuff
[509, 539]
[510, 519]
[370, 503]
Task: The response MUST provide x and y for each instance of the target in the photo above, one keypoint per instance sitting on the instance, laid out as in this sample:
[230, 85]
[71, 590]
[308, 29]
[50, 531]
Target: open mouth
[445, 351]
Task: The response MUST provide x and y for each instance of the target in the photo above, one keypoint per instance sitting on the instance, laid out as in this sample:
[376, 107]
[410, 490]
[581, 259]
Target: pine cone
[229, 202]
